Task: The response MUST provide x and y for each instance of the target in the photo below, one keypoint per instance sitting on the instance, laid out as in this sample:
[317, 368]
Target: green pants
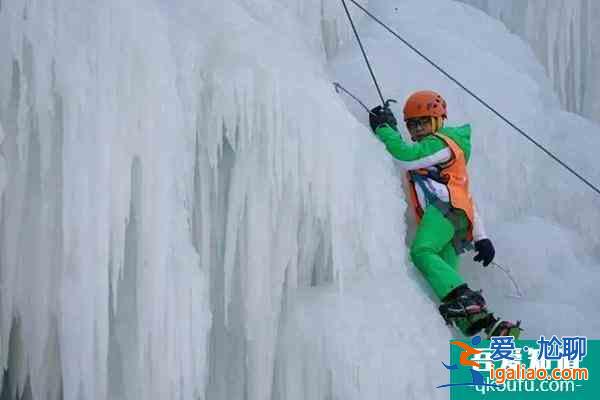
[433, 253]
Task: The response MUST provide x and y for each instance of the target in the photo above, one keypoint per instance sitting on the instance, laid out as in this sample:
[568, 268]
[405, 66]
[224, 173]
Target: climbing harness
[460, 242]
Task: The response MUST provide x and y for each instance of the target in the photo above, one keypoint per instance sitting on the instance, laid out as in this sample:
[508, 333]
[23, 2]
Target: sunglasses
[415, 123]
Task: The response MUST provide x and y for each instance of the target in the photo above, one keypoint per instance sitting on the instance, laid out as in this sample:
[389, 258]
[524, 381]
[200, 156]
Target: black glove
[485, 251]
[382, 115]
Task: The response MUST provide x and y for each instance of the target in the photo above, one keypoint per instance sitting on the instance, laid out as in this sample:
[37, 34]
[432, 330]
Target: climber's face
[419, 127]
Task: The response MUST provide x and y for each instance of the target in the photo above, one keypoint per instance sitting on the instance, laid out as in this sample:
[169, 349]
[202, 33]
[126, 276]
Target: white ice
[562, 33]
[190, 211]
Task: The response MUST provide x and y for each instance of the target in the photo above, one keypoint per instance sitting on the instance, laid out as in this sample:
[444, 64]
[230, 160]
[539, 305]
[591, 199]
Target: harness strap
[460, 242]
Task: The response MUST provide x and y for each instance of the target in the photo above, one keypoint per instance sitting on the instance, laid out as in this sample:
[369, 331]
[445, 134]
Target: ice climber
[448, 222]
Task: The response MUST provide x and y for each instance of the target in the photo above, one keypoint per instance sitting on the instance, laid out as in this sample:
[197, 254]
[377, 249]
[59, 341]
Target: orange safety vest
[455, 177]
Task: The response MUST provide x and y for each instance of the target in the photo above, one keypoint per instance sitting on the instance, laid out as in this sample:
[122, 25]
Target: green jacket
[427, 148]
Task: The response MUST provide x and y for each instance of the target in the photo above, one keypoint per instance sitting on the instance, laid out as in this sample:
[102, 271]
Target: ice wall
[173, 173]
[562, 34]
[101, 289]
[190, 211]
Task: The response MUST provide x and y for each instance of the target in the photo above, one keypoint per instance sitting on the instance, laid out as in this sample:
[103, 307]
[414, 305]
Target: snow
[561, 33]
[189, 210]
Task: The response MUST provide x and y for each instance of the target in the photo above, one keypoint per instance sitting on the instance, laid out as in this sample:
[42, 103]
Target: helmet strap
[437, 123]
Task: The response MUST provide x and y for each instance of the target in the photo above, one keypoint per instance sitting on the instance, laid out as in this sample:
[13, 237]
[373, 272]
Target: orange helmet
[425, 103]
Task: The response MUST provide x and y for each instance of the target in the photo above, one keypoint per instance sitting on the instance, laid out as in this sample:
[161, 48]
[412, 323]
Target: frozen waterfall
[563, 35]
[190, 211]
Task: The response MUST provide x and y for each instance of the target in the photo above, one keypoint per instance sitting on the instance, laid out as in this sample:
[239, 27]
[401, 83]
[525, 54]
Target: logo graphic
[468, 351]
[503, 368]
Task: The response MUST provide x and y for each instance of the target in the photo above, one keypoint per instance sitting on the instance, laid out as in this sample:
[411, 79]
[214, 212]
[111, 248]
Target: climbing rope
[509, 275]
[362, 49]
[485, 104]
[339, 88]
